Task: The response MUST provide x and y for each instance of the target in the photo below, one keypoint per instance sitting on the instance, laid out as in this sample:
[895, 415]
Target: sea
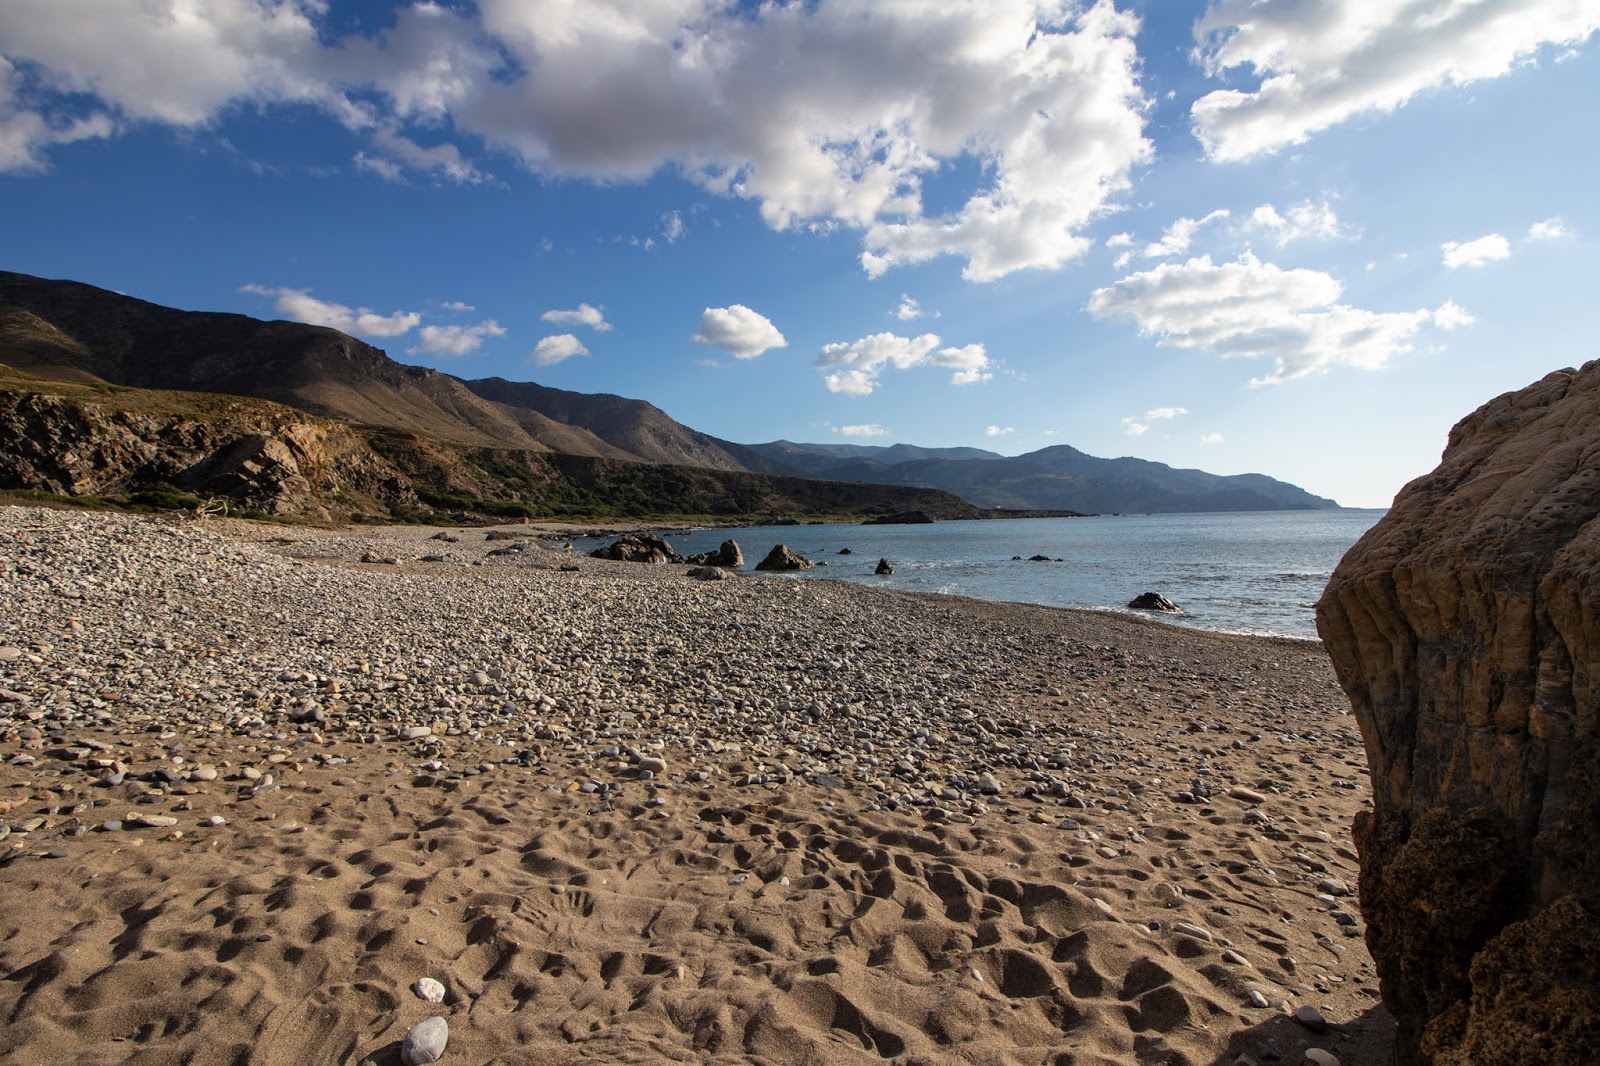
[1238, 572]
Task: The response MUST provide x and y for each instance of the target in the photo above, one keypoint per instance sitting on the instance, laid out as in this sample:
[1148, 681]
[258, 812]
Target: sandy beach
[256, 781]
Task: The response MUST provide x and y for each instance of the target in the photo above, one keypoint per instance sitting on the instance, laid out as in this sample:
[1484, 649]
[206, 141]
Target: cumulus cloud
[909, 309]
[739, 331]
[557, 348]
[1451, 315]
[301, 306]
[582, 315]
[1252, 309]
[824, 115]
[1548, 230]
[1134, 427]
[1175, 240]
[1475, 253]
[1209, 439]
[1119, 240]
[1319, 64]
[857, 365]
[869, 429]
[456, 340]
[998, 431]
[1305, 219]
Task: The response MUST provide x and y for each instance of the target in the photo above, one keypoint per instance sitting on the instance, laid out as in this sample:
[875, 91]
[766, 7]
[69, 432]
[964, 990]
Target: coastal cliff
[1464, 628]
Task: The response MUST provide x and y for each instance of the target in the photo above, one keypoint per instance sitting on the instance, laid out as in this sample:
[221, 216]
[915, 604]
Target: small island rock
[782, 557]
[1154, 601]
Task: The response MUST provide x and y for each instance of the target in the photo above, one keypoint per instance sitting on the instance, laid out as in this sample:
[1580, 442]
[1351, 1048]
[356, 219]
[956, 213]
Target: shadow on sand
[1367, 1040]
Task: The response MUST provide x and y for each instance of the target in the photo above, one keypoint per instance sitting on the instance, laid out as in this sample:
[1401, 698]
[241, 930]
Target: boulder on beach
[1154, 601]
[884, 567]
[636, 548]
[1463, 628]
[781, 557]
[726, 555]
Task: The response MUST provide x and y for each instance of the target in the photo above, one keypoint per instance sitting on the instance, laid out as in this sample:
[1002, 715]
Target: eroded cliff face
[1465, 628]
[278, 462]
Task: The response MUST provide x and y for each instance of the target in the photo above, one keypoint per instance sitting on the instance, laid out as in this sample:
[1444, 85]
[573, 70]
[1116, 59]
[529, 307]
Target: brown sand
[699, 921]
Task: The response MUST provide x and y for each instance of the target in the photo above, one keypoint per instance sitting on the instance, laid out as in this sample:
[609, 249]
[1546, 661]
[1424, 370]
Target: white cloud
[456, 340]
[582, 315]
[1475, 253]
[1175, 240]
[1135, 428]
[1548, 230]
[458, 306]
[1119, 240]
[1252, 309]
[1451, 315]
[1305, 219]
[998, 431]
[24, 134]
[908, 309]
[739, 331]
[672, 227]
[301, 306]
[1210, 439]
[858, 365]
[870, 429]
[397, 152]
[556, 348]
[1322, 63]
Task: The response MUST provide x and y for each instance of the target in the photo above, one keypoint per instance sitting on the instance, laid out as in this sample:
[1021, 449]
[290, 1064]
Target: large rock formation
[1465, 628]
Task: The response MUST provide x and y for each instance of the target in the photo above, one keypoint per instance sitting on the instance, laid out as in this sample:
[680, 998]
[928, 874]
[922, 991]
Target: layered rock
[1465, 628]
[637, 548]
[728, 554]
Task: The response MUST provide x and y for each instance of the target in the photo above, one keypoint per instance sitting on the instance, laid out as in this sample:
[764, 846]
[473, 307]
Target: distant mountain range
[67, 331]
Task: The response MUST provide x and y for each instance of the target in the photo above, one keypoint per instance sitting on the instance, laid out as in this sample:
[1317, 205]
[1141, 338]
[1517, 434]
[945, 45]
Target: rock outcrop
[637, 548]
[1154, 601]
[727, 555]
[1465, 627]
[782, 557]
[884, 567]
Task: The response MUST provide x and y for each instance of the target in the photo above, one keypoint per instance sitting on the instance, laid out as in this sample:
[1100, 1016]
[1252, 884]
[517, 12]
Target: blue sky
[1299, 237]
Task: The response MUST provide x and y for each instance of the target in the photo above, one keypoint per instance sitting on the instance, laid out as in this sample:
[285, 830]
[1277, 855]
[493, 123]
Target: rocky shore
[256, 781]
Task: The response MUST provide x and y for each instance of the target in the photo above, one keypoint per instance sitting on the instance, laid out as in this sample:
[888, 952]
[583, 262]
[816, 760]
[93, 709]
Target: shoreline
[625, 816]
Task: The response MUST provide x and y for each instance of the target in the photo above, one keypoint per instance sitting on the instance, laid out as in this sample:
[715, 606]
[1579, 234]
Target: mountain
[68, 331]
[1058, 477]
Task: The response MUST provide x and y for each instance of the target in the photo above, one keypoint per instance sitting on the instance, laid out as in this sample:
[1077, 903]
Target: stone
[1248, 795]
[637, 548]
[708, 573]
[426, 988]
[1318, 1057]
[416, 732]
[781, 557]
[9, 653]
[1154, 601]
[425, 1042]
[1311, 1018]
[1462, 628]
[1166, 893]
[884, 567]
[727, 555]
[1333, 886]
[1185, 929]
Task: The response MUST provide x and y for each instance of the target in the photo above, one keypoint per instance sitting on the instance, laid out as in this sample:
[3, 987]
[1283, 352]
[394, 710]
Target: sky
[1295, 237]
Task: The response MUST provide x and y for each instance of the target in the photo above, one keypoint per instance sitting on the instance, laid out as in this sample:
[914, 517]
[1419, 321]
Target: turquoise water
[1256, 572]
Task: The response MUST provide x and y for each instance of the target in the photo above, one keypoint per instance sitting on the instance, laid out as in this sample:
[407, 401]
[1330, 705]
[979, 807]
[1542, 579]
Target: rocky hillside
[167, 448]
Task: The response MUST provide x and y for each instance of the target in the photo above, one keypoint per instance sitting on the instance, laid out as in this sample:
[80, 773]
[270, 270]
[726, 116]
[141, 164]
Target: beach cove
[258, 780]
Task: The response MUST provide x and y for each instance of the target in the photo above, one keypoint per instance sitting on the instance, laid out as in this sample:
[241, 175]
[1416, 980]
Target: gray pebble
[425, 1041]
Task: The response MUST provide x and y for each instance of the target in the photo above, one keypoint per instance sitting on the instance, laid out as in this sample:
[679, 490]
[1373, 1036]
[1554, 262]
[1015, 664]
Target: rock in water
[782, 557]
[726, 555]
[425, 1041]
[1463, 627]
[1154, 601]
[884, 567]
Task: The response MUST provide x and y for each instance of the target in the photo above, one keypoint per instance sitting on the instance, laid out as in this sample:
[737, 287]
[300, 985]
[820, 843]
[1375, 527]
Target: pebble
[1311, 1018]
[416, 732]
[428, 989]
[1248, 795]
[1259, 998]
[9, 654]
[1333, 886]
[1185, 929]
[1167, 894]
[1317, 1057]
[425, 1042]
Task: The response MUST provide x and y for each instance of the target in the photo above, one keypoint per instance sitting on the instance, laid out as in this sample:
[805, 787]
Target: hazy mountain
[1057, 477]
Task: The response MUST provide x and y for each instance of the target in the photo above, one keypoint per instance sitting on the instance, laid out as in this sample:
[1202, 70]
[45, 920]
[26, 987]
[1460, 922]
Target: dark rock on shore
[1154, 601]
[1464, 630]
[782, 557]
[637, 548]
